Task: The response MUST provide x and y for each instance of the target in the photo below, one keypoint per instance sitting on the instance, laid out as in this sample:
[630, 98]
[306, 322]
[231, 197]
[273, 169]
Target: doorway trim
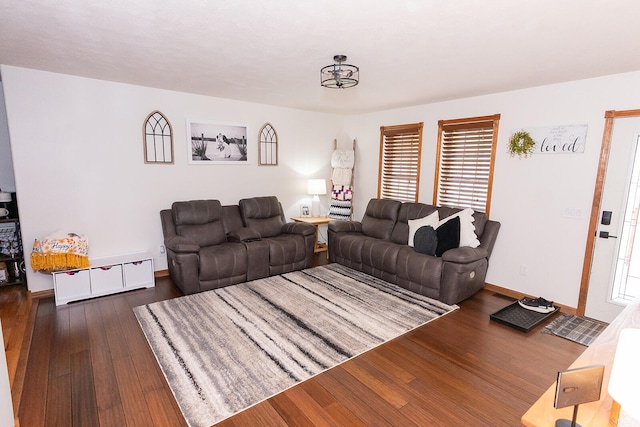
[609, 117]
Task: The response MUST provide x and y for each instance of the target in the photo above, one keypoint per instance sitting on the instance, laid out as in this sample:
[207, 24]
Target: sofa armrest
[181, 244]
[345, 226]
[464, 255]
[301, 228]
[243, 234]
[489, 236]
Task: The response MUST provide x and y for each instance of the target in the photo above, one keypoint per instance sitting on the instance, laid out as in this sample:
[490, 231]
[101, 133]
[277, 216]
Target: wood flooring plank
[370, 407]
[341, 415]
[164, 412]
[84, 408]
[58, 411]
[319, 393]
[32, 404]
[262, 414]
[290, 413]
[386, 388]
[149, 373]
[106, 385]
[136, 411]
[17, 383]
[61, 352]
[113, 328]
[78, 334]
[310, 408]
[112, 417]
[15, 304]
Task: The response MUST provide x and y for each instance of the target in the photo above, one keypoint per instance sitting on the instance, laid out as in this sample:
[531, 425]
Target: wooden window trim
[397, 130]
[487, 122]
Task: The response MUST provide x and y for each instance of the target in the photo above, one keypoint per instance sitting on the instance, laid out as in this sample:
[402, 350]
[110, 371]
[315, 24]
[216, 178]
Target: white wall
[530, 196]
[7, 181]
[77, 149]
[78, 159]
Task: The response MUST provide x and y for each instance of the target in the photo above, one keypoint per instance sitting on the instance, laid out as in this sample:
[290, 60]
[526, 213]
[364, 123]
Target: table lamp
[316, 187]
[625, 377]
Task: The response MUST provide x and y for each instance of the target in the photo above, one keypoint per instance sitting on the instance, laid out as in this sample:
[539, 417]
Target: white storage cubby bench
[108, 275]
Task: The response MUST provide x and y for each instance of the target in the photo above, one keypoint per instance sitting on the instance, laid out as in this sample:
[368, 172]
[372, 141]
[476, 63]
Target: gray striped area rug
[227, 349]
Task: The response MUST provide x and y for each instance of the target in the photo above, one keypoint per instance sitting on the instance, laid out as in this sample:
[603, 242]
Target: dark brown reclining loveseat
[378, 245]
[210, 246]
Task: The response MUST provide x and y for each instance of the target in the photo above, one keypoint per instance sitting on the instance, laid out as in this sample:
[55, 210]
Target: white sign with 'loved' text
[559, 139]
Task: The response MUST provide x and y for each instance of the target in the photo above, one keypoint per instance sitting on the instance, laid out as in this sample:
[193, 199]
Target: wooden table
[316, 221]
[601, 351]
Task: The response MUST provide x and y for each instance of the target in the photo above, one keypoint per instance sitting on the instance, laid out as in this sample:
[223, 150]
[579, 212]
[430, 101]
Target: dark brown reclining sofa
[378, 245]
[210, 246]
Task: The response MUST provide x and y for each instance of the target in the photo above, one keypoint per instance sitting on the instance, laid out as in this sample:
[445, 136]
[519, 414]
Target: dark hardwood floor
[89, 364]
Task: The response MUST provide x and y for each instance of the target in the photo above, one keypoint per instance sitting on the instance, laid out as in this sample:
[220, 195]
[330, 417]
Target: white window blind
[464, 168]
[399, 169]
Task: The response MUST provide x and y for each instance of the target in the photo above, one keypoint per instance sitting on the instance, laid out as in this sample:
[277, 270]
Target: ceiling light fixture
[339, 75]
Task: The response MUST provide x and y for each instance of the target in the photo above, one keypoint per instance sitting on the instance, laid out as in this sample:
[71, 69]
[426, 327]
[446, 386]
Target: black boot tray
[520, 318]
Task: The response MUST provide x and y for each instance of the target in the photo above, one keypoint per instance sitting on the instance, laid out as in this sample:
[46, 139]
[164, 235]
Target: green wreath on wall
[521, 144]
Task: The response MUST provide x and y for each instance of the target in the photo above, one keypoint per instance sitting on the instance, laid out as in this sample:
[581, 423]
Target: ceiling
[409, 52]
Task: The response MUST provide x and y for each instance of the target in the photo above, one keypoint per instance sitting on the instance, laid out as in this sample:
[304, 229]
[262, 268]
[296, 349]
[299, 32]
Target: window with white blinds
[399, 169]
[464, 164]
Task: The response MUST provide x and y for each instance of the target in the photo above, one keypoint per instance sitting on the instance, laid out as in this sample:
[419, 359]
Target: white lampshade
[317, 187]
[625, 373]
[5, 197]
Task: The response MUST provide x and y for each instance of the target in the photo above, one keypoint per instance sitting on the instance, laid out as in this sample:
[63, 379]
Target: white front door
[615, 264]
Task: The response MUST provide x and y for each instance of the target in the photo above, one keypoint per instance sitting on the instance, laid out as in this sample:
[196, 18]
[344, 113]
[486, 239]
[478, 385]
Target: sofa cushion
[286, 249]
[381, 255]
[414, 224]
[199, 221]
[263, 214]
[467, 229]
[223, 261]
[426, 240]
[479, 221]
[448, 235]
[349, 246]
[417, 268]
[380, 217]
[231, 218]
[196, 212]
[409, 211]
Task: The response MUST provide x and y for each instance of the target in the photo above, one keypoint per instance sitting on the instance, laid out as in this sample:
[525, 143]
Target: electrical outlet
[162, 249]
[524, 270]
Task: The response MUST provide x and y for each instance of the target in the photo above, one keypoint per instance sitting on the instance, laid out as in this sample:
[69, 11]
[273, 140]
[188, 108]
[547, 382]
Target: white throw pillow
[467, 229]
[414, 224]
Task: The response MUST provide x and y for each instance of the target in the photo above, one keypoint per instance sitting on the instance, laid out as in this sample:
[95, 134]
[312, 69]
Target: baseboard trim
[518, 295]
[161, 273]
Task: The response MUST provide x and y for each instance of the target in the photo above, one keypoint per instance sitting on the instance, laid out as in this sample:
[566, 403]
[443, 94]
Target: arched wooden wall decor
[158, 139]
[268, 146]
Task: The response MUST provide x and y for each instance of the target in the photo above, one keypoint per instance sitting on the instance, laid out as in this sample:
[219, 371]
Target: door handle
[606, 235]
